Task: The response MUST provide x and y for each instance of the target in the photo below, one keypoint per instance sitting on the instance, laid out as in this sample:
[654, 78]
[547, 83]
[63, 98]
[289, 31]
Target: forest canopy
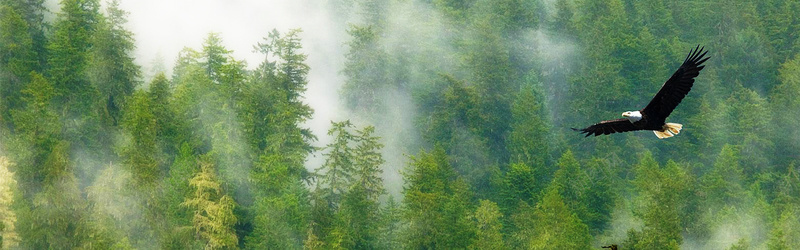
[454, 131]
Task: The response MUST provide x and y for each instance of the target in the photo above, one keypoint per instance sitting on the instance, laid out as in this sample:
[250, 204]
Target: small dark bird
[612, 246]
[653, 116]
[112, 109]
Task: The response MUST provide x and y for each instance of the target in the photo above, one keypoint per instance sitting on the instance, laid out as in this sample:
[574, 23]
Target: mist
[471, 102]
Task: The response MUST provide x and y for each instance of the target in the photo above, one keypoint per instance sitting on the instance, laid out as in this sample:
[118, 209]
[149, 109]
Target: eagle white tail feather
[675, 128]
[669, 130]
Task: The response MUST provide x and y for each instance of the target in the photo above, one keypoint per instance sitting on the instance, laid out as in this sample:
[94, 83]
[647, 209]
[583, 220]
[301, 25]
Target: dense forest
[467, 103]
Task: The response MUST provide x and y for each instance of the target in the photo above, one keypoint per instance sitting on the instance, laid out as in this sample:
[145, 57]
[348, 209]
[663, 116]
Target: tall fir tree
[436, 204]
[213, 218]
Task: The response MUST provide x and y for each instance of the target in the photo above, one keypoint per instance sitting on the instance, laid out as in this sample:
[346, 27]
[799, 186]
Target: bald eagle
[653, 116]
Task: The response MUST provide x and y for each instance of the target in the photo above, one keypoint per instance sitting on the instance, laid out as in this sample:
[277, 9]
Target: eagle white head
[633, 116]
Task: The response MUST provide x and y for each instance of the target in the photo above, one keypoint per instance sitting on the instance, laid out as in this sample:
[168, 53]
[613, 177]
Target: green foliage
[558, 227]
[783, 103]
[519, 185]
[178, 232]
[660, 204]
[213, 219]
[8, 235]
[435, 204]
[217, 155]
[17, 58]
[784, 234]
[723, 184]
[487, 220]
[530, 138]
[281, 219]
[38, 126]
[69, 53]
[111, 67]
[338, 167]
[142, 152]
[366, 69]
[391, 225]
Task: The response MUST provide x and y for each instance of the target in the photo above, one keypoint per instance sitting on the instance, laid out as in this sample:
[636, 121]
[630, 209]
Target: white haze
[162, 28]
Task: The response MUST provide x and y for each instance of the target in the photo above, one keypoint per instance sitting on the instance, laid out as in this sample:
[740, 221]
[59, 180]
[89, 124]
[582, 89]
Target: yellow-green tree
[213, 218]
[8, 219]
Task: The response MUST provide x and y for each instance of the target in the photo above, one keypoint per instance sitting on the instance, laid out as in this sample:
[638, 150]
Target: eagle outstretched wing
[675, 89]
[608, 127]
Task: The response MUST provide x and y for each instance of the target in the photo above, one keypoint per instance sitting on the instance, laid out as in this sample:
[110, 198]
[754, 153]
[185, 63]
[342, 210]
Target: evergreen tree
[177, 232]
[488, 235]
[557, 227]
[435, 204]
[391, 225]
[723, 184]
[572, 182]
[785, 233]
[111, 68]
[529, 138]
[782, 102]
[520, 185]
[33, 12]
[141, 154]
[8, 219]
[37, 125]
[272, 113]
[360, 208]
[601, 195]
[338, 167]
[57, 215]
[69, 54]
[280, 219]
[213, 219]
[17, 59]
[659, 204]
[366, 70]
[170, 131]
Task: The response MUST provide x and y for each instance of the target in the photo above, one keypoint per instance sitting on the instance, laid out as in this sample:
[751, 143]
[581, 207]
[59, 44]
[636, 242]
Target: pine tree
[659, 204]
[601, 195]
[178, 233]
[529, 138]
[282, 218]
[111, 68]
[33, 12]
[17, 59]
[8, 219]
[69, 54]
[723, 184]
[367, 71]
[782, 102]
[360, 206]
[57, 214]
[141, 153]
[170, 133]
[557, 227]
[520, 185]
[572, 182]
[213, 219]
[488, 231]
[368, 163]
[435, 202]
[391, 225]
[785, 233]
[338, 167]
[272, 113]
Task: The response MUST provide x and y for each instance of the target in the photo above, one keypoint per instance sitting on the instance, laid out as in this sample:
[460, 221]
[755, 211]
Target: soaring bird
[612, 247]
[653, 116]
